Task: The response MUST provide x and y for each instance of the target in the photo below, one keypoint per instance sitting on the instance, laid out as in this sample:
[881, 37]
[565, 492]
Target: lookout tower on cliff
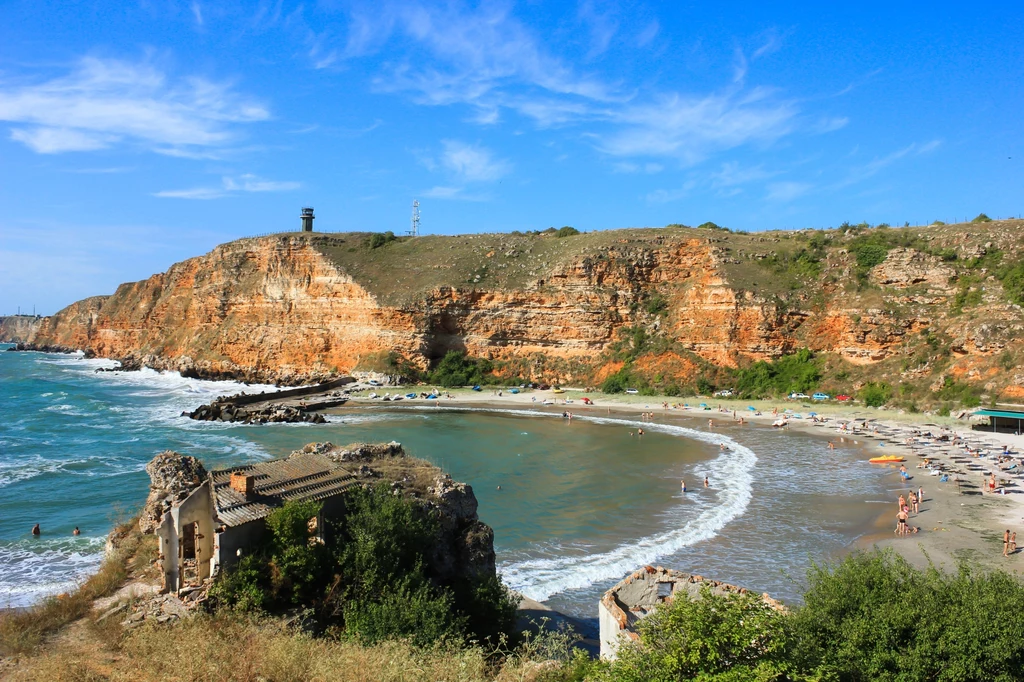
[307, 218]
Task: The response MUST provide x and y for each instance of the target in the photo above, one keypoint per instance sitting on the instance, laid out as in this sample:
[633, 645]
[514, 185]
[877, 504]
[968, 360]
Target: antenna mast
[415, 231]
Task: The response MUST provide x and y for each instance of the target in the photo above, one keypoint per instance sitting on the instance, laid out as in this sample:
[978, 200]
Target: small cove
[580, 504]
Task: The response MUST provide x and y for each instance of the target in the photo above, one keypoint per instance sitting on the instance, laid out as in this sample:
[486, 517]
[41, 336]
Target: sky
[137, 134]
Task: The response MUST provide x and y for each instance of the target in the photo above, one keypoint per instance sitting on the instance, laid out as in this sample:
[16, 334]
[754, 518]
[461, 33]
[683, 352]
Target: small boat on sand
[886, 459]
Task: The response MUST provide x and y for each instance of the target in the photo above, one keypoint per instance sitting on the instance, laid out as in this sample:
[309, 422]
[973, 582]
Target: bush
[715, 637]
[458, 369]
[370, 575]
[615, 383]
[876, 393]
[566, 231]
[869, 255]
[799, 372]
[981, 218]
[1012, 278]
[378, 239]
[875, 617]
[872, 616]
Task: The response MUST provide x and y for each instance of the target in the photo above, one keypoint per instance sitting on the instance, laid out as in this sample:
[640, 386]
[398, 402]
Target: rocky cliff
[912, 304]
[19, 328]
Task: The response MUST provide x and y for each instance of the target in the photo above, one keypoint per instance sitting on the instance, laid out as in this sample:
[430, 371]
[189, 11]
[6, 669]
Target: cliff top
[398, 271]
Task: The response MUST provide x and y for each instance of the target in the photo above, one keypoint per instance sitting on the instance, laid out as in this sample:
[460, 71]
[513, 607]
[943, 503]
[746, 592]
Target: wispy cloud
[864, 171]
[690, 128]
[104, 102]
[486, 59]
[787, 191]
[197, 12]
[464, 164]
[472, 163]
[229, 186]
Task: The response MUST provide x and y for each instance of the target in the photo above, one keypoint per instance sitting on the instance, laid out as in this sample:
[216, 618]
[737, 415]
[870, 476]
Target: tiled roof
[300, 477]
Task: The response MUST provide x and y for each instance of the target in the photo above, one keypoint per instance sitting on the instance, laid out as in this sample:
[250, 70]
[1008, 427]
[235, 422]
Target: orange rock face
[291, 308]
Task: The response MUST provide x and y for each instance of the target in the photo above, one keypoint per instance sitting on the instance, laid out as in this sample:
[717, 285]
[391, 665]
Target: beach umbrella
[751, 408]
[703, 404]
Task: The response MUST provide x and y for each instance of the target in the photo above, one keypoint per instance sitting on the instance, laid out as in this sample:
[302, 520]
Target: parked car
[724, 393]
[632, 391]
[821, 396]
[843, 398]
[798, 396]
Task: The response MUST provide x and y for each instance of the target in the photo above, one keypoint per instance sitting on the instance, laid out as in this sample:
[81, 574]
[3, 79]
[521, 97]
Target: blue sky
[133, 135]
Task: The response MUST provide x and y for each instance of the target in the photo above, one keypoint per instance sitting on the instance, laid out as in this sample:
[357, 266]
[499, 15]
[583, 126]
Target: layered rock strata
[293, 308]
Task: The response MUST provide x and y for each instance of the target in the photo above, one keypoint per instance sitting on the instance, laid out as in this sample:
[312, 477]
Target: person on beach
[35, 529]
[1013, 542]
[711, 423]
[76, 531]
[707, 484]
[831, 445]
[682, 484]
[913, 501]
[903, 502]
[901, 522]
[1006, 543]
[920, 494]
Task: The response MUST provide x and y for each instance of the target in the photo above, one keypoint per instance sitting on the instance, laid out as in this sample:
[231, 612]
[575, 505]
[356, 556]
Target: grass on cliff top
[770, 263]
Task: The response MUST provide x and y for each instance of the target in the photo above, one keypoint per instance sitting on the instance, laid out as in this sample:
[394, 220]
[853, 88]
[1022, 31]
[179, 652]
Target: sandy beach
[956, 521]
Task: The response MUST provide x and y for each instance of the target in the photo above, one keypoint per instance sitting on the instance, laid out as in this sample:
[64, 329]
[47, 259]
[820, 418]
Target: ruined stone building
[206, 521]
[640, 593]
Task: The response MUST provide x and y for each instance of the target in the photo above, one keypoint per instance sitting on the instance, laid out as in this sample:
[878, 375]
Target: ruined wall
[642, 592]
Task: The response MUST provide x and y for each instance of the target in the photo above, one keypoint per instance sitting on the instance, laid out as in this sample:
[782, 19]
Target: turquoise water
[580, 505]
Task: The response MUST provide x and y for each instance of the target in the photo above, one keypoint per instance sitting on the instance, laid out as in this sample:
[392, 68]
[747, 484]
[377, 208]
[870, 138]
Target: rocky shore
[48, 348]
[273, 413]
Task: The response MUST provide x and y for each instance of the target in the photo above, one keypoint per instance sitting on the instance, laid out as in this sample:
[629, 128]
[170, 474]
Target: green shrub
[715, 637]
[799, 372]
[981, 218]
[711, 226]
[370, 575]
[656, 305]
[615, 383]
[1012, 278]
[458, 369]
[876, 393]
[869, 255]
[379, 239]
[875, 617]
[567, 231]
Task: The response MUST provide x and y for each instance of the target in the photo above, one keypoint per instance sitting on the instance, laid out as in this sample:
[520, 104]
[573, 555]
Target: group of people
[682, 483]
[36, 531]
[907, 504]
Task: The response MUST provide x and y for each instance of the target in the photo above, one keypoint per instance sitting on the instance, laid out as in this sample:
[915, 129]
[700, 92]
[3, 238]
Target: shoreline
[954, 527]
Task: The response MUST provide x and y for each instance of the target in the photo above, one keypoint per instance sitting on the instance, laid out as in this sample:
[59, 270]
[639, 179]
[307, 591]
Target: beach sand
[955, 524]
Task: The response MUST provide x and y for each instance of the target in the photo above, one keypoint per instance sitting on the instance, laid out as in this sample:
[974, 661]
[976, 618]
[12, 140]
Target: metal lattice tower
[415, 231]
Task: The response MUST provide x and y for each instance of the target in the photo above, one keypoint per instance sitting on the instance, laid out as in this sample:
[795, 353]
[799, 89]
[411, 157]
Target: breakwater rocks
[254, 414]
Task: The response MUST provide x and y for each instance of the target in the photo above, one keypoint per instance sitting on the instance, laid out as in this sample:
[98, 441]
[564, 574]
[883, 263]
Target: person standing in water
[682, 483]
[35, 529]
[76, 531]
[707, 483]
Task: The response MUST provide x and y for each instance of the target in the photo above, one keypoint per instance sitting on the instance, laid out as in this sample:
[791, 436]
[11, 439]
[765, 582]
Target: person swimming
[76, 531]
[35, 529]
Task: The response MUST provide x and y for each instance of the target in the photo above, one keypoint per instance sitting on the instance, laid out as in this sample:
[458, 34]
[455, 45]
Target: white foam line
[732, 482]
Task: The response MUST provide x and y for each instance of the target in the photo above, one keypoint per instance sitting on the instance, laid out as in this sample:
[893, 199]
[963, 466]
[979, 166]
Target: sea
[575, 505]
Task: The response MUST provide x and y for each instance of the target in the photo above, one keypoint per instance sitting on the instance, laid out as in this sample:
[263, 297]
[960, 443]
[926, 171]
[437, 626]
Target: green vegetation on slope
[870, 617]
[370, 578]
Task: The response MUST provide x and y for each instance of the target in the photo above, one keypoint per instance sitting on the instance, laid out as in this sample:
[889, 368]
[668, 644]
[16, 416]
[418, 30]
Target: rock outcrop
[172, 477]
[300, 308]
[269, 414]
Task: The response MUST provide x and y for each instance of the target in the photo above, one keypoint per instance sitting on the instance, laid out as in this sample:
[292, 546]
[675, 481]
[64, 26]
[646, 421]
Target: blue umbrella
[751, 408]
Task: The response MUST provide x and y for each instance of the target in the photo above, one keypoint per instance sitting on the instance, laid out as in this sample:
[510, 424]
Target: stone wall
[640, 593]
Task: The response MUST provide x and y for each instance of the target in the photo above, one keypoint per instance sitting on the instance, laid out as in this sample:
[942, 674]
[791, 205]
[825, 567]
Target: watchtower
[307, 218]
